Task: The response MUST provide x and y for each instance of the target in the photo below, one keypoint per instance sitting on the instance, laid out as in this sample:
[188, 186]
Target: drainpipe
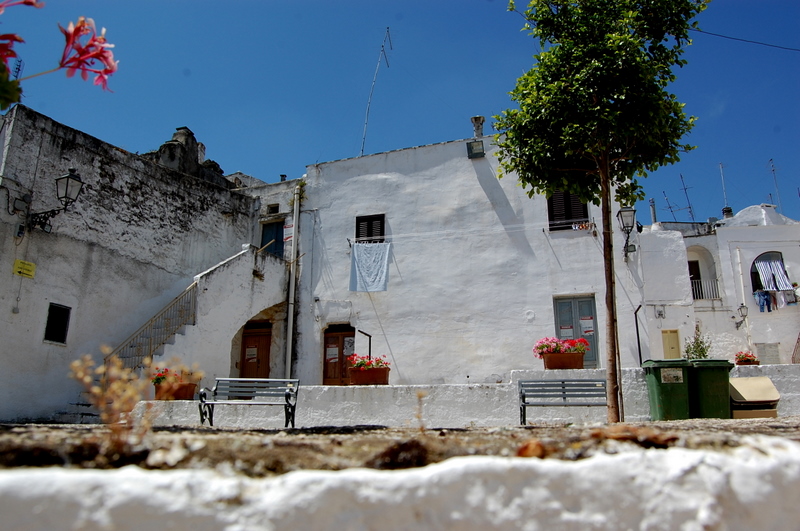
[742, 291]
[638, 341]
[292, 283]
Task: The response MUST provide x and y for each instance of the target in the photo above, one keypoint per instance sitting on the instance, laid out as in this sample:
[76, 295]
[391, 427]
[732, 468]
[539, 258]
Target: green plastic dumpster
[668, 388]
[709, 389]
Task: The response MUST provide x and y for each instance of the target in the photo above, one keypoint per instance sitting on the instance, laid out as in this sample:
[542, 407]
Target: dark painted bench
[549, 393]
[250, 392]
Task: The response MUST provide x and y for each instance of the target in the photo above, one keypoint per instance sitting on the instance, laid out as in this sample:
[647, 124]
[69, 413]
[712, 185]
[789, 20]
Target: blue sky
[270, 86]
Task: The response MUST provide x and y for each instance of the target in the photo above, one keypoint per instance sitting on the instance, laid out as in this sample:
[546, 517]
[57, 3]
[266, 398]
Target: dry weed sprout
[420, 396]
[113, 390]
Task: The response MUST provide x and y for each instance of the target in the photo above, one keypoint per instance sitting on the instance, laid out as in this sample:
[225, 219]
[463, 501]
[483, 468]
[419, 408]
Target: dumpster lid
[712, 363]
[680, 362]
[754, 389]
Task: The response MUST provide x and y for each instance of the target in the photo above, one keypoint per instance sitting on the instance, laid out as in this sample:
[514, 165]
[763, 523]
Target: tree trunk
[612, 348]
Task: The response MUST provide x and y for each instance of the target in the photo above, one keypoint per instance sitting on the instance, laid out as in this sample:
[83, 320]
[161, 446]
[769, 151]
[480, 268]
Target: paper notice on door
[566, 333]
[587, 326]
[251, 353]
[332, 353]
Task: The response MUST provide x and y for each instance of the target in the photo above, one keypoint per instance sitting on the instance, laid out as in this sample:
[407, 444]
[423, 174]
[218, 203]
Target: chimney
[653, 210]
[727, 212]
[477, 124]
[283, 178]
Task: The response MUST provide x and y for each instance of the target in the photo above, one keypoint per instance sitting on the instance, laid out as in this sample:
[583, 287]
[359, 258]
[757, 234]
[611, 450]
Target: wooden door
[671, 343]
[339, 343]
[254, 362]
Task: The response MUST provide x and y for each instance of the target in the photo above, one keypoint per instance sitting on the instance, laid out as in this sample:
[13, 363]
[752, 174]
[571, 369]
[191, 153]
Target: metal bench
[548, 393]
[250, 392]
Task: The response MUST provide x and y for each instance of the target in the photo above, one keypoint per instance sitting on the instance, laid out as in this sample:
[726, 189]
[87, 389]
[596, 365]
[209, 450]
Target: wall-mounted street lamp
[68, 188]
[742, 309]
[627, 220]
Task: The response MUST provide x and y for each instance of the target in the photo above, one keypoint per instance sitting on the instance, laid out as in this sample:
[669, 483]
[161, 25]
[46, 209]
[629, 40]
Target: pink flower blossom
[88, 52]
[11, 3]
[6, 43]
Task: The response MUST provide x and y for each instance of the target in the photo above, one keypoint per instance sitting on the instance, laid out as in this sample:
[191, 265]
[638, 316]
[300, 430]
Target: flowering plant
[552, 344]
[365, 362]
[746, 355]
[85, 50]
[165, 374]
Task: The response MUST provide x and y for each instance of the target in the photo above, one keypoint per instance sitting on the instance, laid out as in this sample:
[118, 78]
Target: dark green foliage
[595, 104]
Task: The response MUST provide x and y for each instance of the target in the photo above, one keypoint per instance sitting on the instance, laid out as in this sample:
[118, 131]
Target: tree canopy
[594, 107]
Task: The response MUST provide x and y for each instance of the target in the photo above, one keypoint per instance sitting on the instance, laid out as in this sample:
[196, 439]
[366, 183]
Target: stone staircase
[175, 327]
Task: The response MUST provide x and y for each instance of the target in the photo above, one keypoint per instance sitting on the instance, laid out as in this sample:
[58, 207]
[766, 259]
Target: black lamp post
[68, 188]
[627, 220]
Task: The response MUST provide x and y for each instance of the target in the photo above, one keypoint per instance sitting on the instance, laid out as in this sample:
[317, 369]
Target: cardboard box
[754, 413]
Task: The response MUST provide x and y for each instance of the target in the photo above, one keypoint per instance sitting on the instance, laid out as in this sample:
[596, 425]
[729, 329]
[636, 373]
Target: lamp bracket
[42, 219]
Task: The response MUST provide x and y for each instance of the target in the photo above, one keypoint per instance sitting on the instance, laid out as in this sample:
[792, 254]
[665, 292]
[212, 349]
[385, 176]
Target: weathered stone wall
[135, 238]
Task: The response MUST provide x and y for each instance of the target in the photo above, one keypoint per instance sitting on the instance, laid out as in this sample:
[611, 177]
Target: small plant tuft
[697, 346]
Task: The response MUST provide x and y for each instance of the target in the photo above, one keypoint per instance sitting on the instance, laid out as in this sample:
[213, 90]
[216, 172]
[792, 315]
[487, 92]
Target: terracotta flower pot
[748, 362]
[563, 360]
[175, 391]
[374, 376]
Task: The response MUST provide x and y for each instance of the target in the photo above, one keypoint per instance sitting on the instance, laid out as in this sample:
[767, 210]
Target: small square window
[273, 209]
[57, 324]
[370, 229]
[565, 209]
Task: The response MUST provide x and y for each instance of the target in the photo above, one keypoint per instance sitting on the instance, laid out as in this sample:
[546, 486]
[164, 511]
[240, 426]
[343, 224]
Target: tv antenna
[724, 193]
[381, 55]
[777, 192]
[691, 212]
[669, 206]
[18, 66]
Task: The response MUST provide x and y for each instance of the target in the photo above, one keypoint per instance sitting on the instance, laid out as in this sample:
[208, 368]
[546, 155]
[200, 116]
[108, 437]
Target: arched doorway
[340, 342]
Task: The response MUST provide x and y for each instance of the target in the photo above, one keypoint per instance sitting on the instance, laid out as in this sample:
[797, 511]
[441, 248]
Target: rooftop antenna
[777, 192]
[18, 66]
[691, 212]
[381, 55]
[669, 206]
[724, 193]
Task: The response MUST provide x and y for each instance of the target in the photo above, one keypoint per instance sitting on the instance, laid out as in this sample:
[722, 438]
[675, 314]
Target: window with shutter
[564, 209]
[370, 229]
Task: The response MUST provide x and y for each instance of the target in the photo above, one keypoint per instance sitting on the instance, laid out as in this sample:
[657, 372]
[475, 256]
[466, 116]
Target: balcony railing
[705, 289]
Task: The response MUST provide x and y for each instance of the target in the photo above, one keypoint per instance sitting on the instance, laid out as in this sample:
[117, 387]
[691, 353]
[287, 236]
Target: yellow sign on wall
[24, 269]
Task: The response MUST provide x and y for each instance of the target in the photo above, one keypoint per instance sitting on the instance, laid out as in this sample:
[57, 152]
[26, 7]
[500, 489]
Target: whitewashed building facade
[465, 270]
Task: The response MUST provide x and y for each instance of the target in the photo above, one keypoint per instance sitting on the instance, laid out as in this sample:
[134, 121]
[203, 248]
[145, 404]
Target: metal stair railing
[158, 330]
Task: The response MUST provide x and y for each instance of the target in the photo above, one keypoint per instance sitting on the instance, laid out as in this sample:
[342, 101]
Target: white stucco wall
[228, 295]
[473, 273]
[739, 246]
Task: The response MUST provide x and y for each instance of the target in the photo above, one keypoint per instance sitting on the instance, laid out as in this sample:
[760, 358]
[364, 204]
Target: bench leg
[288, 413]
[206, 412]
[522, 419]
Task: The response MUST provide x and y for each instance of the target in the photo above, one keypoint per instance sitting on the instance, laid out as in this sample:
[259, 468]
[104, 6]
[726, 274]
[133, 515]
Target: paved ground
[261, 453]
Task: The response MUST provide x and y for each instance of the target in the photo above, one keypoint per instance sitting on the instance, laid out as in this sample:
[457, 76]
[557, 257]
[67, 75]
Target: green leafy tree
[594, 113]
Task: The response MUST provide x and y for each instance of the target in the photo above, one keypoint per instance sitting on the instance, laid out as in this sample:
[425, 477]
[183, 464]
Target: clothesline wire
[467, 232]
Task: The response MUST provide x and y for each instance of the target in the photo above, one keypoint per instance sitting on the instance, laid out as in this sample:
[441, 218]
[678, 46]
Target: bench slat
[560, 393]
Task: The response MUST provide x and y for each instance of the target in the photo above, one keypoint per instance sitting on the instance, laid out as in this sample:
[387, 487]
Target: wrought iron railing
[157, 331]
[705, 289]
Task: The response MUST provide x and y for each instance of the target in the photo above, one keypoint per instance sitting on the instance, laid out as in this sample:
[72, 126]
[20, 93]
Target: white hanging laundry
[369, 266]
